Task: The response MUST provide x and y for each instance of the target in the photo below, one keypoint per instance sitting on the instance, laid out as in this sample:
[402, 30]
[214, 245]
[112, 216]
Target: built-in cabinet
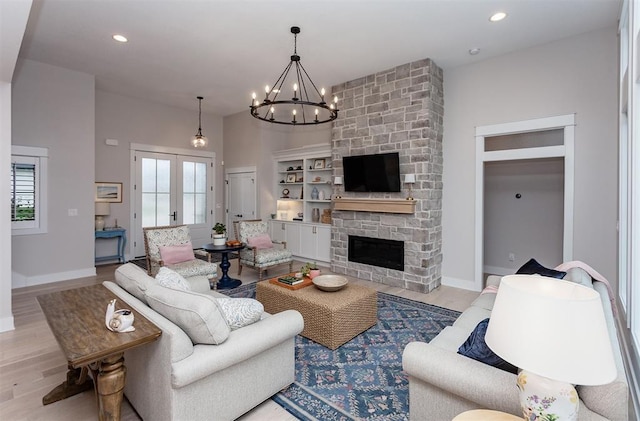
[303, 189]
[307, 241]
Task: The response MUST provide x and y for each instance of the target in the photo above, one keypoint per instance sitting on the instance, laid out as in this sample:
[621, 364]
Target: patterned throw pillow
[171, 279]
[240, 312]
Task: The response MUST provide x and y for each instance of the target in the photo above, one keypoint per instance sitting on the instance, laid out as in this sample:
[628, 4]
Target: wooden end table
[76, 318]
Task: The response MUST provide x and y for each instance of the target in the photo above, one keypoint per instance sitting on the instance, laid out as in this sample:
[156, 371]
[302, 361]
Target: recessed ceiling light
[496, 17]
[120, 38]
[474, 51]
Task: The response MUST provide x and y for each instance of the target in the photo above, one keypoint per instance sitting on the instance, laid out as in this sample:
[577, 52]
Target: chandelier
[306, 106]
[199, 141]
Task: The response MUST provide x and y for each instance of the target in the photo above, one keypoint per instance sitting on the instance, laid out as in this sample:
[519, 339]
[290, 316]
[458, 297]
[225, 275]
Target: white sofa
[173, 379]
[443, 383]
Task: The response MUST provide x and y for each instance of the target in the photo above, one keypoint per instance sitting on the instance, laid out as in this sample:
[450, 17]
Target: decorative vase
[313, 273]
[315, 215]
[314, 194]
[219, 239]
[545, 399]
[321, 195]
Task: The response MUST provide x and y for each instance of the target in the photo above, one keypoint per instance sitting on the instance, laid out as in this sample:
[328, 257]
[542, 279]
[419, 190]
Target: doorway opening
[524, 190]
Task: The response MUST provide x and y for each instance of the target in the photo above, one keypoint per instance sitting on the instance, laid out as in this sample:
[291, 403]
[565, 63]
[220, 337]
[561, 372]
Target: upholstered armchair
[261, 253]
[171, 246]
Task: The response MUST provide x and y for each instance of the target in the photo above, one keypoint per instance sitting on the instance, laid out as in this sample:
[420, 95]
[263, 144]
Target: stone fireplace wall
[400, 109]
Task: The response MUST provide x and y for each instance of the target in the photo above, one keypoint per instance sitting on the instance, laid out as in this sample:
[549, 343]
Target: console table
[121, 235]
[76, 319]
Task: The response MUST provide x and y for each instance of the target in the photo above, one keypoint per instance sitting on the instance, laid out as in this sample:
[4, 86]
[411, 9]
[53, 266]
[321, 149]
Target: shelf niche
[375, 205]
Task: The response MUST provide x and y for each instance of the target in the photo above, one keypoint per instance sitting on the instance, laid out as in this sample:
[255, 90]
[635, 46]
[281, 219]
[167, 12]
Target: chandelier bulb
[253, 95]
[335, 99]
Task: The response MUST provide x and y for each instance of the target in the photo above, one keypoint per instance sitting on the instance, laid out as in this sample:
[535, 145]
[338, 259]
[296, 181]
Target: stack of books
[290, 280]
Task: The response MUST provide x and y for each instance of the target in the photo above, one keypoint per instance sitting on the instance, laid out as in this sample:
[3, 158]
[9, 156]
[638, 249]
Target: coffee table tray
[307, 281]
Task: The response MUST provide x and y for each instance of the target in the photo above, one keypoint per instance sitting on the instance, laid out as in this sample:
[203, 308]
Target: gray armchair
[259, 258]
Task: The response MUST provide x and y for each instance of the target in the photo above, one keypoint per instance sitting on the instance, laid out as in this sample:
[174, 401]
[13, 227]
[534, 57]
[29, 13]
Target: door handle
[174, 214]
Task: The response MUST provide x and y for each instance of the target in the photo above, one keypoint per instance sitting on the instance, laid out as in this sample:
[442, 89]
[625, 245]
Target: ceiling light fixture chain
[199, 141]
[306, 106]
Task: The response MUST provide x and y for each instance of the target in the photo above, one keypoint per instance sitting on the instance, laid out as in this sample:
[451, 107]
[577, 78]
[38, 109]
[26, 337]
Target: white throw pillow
[199, 315]
[240, 312]
[171, 279]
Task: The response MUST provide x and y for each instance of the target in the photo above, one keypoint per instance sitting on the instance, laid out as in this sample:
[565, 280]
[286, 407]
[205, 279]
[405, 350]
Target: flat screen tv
[372, 173]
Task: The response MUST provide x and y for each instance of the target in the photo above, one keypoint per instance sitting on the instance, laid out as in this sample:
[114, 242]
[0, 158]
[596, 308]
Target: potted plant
[219, 238]
[310, 269]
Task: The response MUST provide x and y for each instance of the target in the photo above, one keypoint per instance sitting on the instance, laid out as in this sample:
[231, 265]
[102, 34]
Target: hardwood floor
[31, 363]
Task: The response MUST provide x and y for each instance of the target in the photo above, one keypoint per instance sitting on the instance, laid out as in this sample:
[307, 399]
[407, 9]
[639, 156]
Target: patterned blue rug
[362, 379]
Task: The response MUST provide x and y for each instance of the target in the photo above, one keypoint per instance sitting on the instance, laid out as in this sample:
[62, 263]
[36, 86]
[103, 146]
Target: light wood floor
[31, 363]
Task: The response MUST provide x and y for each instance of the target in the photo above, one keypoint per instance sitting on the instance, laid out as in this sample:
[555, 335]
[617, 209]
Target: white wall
[54, 108]
[573, 75]
[131, 120]
[251, 142]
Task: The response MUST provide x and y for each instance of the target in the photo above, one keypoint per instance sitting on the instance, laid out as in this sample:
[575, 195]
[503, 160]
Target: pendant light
[199, 141]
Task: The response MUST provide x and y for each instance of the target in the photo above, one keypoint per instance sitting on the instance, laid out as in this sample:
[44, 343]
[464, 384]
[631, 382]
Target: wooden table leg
[77, 382]
[110, 380]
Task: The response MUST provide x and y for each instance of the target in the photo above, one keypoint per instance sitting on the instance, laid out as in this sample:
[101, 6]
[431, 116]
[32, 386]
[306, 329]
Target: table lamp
[102, 209]
[410, 179]
[283, 209]
[555, 332]
[337, 181]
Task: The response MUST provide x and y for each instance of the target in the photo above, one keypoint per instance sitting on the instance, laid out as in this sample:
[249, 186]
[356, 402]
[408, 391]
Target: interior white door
[172, 190]
[241, 197]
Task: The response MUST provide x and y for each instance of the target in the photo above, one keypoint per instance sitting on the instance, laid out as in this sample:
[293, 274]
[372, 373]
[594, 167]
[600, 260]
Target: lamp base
[99, 223]
[542, 398]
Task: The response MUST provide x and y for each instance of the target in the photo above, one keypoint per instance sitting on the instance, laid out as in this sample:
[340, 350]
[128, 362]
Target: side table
[76, 319]
[121, 235]
[225, 282]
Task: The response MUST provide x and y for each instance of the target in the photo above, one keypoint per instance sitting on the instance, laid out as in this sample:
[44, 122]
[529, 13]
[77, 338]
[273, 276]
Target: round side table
[486, 415]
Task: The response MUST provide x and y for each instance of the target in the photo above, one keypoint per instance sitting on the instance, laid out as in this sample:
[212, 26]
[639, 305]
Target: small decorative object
[326, 216]
[291, 178]
[285, 193]
[317, 179]
[219, 238]
[118, 320]
[321, 195]
[315, 215]
[314, 194]
[310, 270]
[330, 283]
[233, 243]
[300, 214]
[273, 216]
[290, 169]
[299, 178]
[318, 164]
[299, 167]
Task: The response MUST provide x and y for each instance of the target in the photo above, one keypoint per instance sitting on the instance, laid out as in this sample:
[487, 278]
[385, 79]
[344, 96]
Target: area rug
[362, 379]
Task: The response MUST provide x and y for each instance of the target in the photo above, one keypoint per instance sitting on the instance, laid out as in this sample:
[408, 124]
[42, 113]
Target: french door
[172, 189]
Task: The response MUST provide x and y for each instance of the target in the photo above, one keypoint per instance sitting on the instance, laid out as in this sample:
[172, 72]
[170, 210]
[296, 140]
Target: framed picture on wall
[108, 192]
[291, 178]
[318, 164]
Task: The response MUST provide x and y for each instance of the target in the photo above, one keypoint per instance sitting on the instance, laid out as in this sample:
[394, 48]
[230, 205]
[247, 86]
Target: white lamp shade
[103, 208]
[282, 205]
[552, 328]
[409, 178]
[337, 180]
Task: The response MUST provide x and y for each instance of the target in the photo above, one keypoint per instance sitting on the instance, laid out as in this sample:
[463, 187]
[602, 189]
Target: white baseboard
[497, 270]
[18, 280]
[6, 324]
[459, 283]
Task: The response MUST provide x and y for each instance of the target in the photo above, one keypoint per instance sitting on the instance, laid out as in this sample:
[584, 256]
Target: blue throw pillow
[532, 267]
[475, 347]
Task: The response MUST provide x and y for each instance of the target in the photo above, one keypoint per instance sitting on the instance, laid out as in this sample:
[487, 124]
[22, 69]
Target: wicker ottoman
[330, 318]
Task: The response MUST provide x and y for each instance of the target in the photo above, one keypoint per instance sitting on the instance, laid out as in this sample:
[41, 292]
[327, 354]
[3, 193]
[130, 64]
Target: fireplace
[377, 252]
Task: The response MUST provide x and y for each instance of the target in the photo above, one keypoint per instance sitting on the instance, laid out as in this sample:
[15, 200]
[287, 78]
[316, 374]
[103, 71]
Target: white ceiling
[225, 49]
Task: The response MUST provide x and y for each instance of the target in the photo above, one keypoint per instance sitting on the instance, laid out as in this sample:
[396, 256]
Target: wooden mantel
[375, 205]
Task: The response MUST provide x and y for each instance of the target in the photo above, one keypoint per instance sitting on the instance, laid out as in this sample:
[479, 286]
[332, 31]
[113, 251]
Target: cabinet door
[292, 237]
[278, 230]
[308, 243]
[323, 242]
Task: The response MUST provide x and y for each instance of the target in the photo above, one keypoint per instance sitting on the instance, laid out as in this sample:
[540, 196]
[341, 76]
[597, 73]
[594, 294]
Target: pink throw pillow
[262, 241]
[171, 255]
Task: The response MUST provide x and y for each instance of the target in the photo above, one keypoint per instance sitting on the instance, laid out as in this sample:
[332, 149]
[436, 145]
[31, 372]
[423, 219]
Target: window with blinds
[28, 190]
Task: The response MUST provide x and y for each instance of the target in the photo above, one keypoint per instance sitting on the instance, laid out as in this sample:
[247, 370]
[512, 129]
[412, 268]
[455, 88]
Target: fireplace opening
[376, 252]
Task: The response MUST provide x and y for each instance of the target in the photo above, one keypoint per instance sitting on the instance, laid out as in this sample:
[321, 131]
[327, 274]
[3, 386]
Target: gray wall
[251, 142]
[54, 108]
[131, 120]
[574, 75]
